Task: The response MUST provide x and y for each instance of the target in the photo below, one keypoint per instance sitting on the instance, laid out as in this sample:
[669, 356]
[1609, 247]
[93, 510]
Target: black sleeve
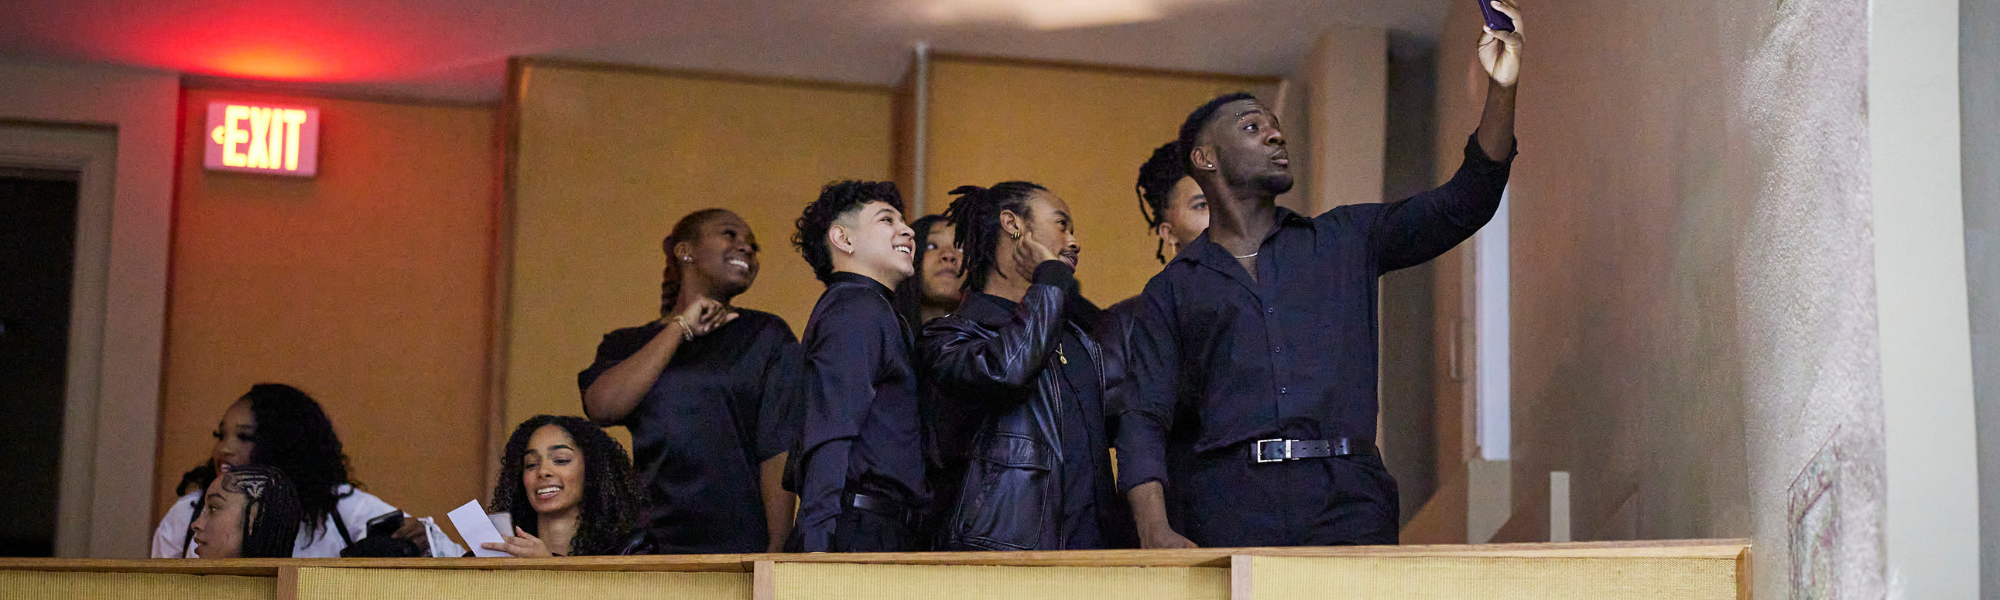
[1411, 231]
[778, 409]
[616, 347]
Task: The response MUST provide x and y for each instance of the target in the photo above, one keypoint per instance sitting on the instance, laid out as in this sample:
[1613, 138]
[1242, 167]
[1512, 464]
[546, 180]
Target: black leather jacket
[1000, 368]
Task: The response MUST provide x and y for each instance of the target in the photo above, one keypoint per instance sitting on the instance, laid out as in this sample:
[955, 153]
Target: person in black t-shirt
[706, 391]
[860, 467]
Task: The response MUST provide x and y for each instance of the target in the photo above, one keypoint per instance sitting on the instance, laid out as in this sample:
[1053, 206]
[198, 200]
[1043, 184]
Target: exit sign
[262, 138]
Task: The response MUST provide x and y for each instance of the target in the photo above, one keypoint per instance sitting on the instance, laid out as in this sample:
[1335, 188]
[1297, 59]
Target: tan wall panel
[33, 585]
[1284, 578]
[826, 580]
[609, 159]
[366, 286]
[391, 584]
[1083, 132]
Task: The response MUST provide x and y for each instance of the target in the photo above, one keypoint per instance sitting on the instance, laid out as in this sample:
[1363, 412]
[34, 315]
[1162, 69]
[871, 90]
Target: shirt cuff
[1476, 158]
[1141, 453]
[1056, 273]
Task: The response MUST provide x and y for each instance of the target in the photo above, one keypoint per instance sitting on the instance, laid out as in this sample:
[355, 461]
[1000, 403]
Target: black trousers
[1231, 501]
[859, 530]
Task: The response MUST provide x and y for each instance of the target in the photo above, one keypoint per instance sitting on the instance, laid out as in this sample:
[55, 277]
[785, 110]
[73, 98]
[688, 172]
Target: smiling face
[218, 532]
[944, 265]
[872, 240]
[1243, 143]
[235, 436]
[552, 472]
[724, 254]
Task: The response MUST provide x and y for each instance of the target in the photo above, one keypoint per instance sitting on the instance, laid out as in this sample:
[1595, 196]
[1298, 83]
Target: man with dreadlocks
[1258, 340]
[1028, 377]
[250, 511]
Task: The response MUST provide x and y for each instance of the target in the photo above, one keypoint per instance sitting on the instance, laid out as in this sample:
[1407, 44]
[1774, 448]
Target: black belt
[880, 505]
[1279, 450]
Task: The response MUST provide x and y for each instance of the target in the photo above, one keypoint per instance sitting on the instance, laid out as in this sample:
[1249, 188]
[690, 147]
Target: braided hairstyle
[270, 510]
[1191, 128]
[910, 293]
[294, 435]
[611, 499]
[687, 230]
[976, 214]
[836, 199]
[1156, 186]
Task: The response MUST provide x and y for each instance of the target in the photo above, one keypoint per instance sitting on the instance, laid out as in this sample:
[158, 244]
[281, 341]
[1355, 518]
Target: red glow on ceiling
[269, 64]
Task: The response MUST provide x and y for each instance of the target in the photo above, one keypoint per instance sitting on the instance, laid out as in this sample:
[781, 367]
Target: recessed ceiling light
[1045, 14]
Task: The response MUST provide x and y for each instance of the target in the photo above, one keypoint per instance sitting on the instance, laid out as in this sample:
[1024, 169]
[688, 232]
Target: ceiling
[457, 49]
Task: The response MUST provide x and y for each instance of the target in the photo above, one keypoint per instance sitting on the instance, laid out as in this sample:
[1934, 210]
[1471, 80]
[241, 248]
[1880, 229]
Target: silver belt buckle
[1285, 451]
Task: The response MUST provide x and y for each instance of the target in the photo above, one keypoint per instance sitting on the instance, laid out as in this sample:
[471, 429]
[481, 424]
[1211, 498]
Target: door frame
[92, 152]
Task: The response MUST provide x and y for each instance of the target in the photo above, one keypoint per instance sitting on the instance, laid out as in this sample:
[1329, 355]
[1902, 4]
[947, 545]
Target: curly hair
[687, 230]
[910, 293]
[976, 214]
[1155, 187]
[611, 498]
[294, 435]
[836, 199]
[272, 528]
[1191, 128]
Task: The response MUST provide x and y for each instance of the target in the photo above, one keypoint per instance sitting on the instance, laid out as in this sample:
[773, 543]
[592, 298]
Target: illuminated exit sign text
[258, 138]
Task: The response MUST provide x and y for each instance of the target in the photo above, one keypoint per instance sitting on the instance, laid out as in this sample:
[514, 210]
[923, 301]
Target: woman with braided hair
[1016, 362]
[248, 512]
[706, 391]
[280, 426]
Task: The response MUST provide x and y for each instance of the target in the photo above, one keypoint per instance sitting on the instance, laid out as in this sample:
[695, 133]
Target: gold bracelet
[687, 334]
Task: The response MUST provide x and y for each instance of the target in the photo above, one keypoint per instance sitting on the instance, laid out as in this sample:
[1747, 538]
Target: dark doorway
[37, 262]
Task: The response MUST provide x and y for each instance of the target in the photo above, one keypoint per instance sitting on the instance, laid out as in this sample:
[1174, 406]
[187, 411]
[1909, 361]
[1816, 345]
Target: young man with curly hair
[860, 463]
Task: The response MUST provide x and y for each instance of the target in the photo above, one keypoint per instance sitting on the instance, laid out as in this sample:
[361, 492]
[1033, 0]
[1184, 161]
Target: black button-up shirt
[1292, 353]
[861, 430]
[715, 414]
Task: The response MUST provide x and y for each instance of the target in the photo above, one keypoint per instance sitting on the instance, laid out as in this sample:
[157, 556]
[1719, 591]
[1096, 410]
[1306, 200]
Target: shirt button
[1270, 311]
[1277, 349]
[1283, 391]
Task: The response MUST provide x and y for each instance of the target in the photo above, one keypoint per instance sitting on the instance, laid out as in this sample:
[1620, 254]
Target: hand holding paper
[477, 531]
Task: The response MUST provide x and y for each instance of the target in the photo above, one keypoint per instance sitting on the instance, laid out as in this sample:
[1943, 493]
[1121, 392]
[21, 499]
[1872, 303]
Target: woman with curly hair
[249, 512]
[568, 488]
[279, 426]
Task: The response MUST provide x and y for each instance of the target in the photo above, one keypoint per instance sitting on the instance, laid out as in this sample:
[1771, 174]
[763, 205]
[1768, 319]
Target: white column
[1930, 445]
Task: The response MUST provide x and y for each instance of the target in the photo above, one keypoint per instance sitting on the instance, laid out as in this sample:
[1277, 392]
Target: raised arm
[614, 385]
[963, 361]
[1409, 232]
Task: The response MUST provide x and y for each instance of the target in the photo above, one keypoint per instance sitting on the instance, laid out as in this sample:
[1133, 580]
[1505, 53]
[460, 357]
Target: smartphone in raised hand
[1495, 20]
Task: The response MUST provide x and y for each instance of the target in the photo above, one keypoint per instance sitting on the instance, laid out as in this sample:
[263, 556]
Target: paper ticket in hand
[473, 526]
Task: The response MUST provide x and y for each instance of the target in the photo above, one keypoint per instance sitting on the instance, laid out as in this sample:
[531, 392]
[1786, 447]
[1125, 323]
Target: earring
[687, 259]
[1210, 165]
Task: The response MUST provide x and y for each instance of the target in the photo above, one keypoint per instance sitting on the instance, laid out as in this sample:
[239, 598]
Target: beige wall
[1693, 310]
[1081, 131]
[607, 159]
[366, 286]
